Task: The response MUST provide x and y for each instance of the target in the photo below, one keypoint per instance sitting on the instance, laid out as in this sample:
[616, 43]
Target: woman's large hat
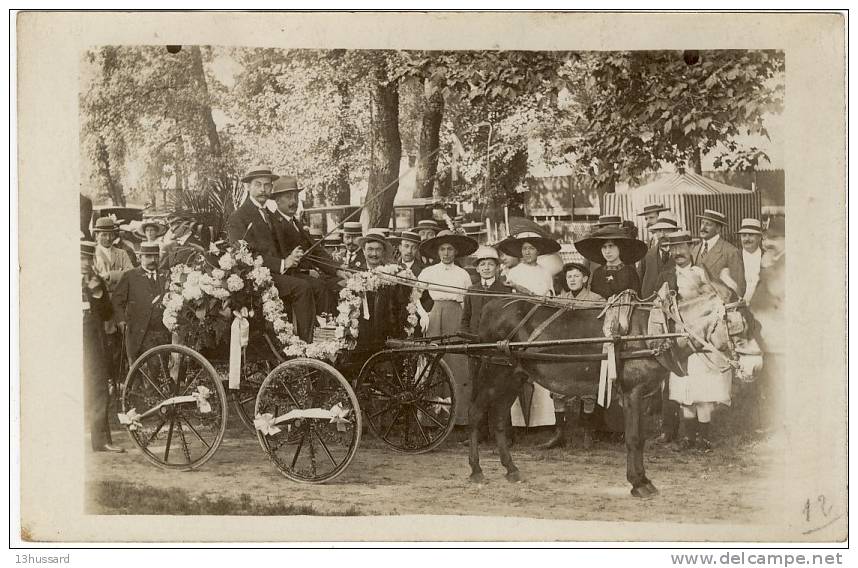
[631, 250]
[465, 246]
[512, 245]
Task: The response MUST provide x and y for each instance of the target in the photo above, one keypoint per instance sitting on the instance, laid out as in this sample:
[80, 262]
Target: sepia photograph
[419, 278]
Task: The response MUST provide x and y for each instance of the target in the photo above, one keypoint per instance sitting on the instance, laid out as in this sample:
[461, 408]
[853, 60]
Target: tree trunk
[430, 128]
[340, 193]
[114, 189]
[199, 76]
[384, 183]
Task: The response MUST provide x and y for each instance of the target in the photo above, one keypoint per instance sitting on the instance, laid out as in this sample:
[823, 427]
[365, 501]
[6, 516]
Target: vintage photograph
[501, 282]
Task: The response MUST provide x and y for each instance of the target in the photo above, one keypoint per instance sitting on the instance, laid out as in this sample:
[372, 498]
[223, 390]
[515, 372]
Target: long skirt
[541, 409]
[445, 319]
[702, 384]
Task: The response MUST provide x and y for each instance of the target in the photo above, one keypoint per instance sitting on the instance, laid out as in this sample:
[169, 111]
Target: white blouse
[534, 277]
[447, 275]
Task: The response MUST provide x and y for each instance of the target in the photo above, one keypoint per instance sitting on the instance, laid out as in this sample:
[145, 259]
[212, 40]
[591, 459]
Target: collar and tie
[488, 283]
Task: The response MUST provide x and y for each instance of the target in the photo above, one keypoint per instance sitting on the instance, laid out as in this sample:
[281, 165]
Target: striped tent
[687, 195]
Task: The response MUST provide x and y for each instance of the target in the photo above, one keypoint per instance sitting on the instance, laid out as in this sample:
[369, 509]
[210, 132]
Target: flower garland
[201, 298]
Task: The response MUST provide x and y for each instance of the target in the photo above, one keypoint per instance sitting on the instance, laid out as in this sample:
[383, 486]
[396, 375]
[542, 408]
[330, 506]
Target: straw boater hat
[104, 225]
[352, 228]
[751, 227]
[285, 184]
[485, 252]
[465, 246]
[410, 236]
[375, 235]
[149, 248]
[395, 237]
[427, 224]
[609, 220]
[512, 245]
[87, 248]
[652, 208]
[631, 250]
[665, 222]
[257, 172]
[680, 238]
[715, 216]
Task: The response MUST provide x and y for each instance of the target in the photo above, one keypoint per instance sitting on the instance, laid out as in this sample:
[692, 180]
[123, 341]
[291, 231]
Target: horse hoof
[642, 492]
[477, 478]
[651, 488]
[514, 477]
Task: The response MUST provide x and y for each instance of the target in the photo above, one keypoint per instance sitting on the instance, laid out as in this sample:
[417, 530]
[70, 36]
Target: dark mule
[503, 374]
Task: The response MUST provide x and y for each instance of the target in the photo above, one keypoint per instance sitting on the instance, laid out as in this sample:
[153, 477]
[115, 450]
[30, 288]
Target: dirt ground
[731, 484]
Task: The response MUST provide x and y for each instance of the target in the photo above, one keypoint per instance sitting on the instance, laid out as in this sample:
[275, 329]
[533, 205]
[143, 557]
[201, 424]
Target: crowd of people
[122, 287]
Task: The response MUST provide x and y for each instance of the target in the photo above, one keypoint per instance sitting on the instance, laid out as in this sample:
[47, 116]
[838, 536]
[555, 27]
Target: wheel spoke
[197, 434]
[156, 432]
[380, 412]
[419, 425]
[169, 439]
[151, 382]
[185, 449]
[298, 450]
[393, 422]
[395, 368]
[428, 387]
[325, 447]
[430, 368]
[430, 417]
[191, 382]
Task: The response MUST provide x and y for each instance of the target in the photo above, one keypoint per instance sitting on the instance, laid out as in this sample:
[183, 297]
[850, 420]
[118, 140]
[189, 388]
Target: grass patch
[124, 498]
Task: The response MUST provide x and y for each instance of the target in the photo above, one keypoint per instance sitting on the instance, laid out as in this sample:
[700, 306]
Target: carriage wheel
[308, 420]
[243, 399]
[174, 407]
[408, 400]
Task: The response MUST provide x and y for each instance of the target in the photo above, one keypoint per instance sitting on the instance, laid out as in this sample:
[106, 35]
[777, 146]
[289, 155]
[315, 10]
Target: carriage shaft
[402, 346]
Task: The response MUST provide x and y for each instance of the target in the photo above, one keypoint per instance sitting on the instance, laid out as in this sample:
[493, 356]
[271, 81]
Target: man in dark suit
[409, 257]
[96, 363]
[137, 304]
[252, 223]
[722, 260]
[387, 306]
[353, 257]
[320, 271]
[657, 258]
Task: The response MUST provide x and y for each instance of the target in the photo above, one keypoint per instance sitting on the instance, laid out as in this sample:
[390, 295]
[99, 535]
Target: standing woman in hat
[529, 277]
[446, 315]
[616, 254]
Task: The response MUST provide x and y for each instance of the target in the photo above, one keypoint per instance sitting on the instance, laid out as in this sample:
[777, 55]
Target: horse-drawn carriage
[308, 414]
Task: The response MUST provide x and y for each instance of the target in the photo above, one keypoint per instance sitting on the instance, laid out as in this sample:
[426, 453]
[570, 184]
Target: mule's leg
[501, 408]
[476, 415]
[634, 436]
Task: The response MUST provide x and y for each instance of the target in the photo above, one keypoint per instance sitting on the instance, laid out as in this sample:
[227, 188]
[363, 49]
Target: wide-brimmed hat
[609, 220]
[258, 172]
[375, 235]
[465, 246]
[285, 184]
[149, 247]
[352, 228]
[484, 252]
[750, 227]
[631, 250]
[652, 208]
[409, 236]
[87, 248]
[512, 245]
[427, 224]
[665, 223]
[577, 266]
[141, 228]
[714, 216]
[679, 238]
[104, 225]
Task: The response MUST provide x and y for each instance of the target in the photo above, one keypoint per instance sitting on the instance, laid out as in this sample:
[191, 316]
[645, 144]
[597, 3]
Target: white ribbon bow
[201, 396]
[130, 419]
[238, 338]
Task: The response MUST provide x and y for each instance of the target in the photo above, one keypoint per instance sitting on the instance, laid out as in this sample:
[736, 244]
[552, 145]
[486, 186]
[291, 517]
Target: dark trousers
[326, 290]
[96, 395]
[298, 294]
[669, 413]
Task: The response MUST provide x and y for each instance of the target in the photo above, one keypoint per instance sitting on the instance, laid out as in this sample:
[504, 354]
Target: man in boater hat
[353, 257]
[657, 257]
[720, 258]
[751, 234]
[252, 222]
[652, 212]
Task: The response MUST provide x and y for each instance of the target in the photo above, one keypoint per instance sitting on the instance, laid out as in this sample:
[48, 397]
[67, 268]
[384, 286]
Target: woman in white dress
[446, 314]
[528, 277]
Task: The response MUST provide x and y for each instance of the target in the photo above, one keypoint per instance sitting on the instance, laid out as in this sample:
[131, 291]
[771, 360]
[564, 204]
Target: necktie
[705, 247]
[264, 213]
[486, 284]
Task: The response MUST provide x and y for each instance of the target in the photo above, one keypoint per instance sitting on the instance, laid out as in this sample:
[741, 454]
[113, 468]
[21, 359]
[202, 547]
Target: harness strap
[676, 317]
[523, 320]
[540, 329]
